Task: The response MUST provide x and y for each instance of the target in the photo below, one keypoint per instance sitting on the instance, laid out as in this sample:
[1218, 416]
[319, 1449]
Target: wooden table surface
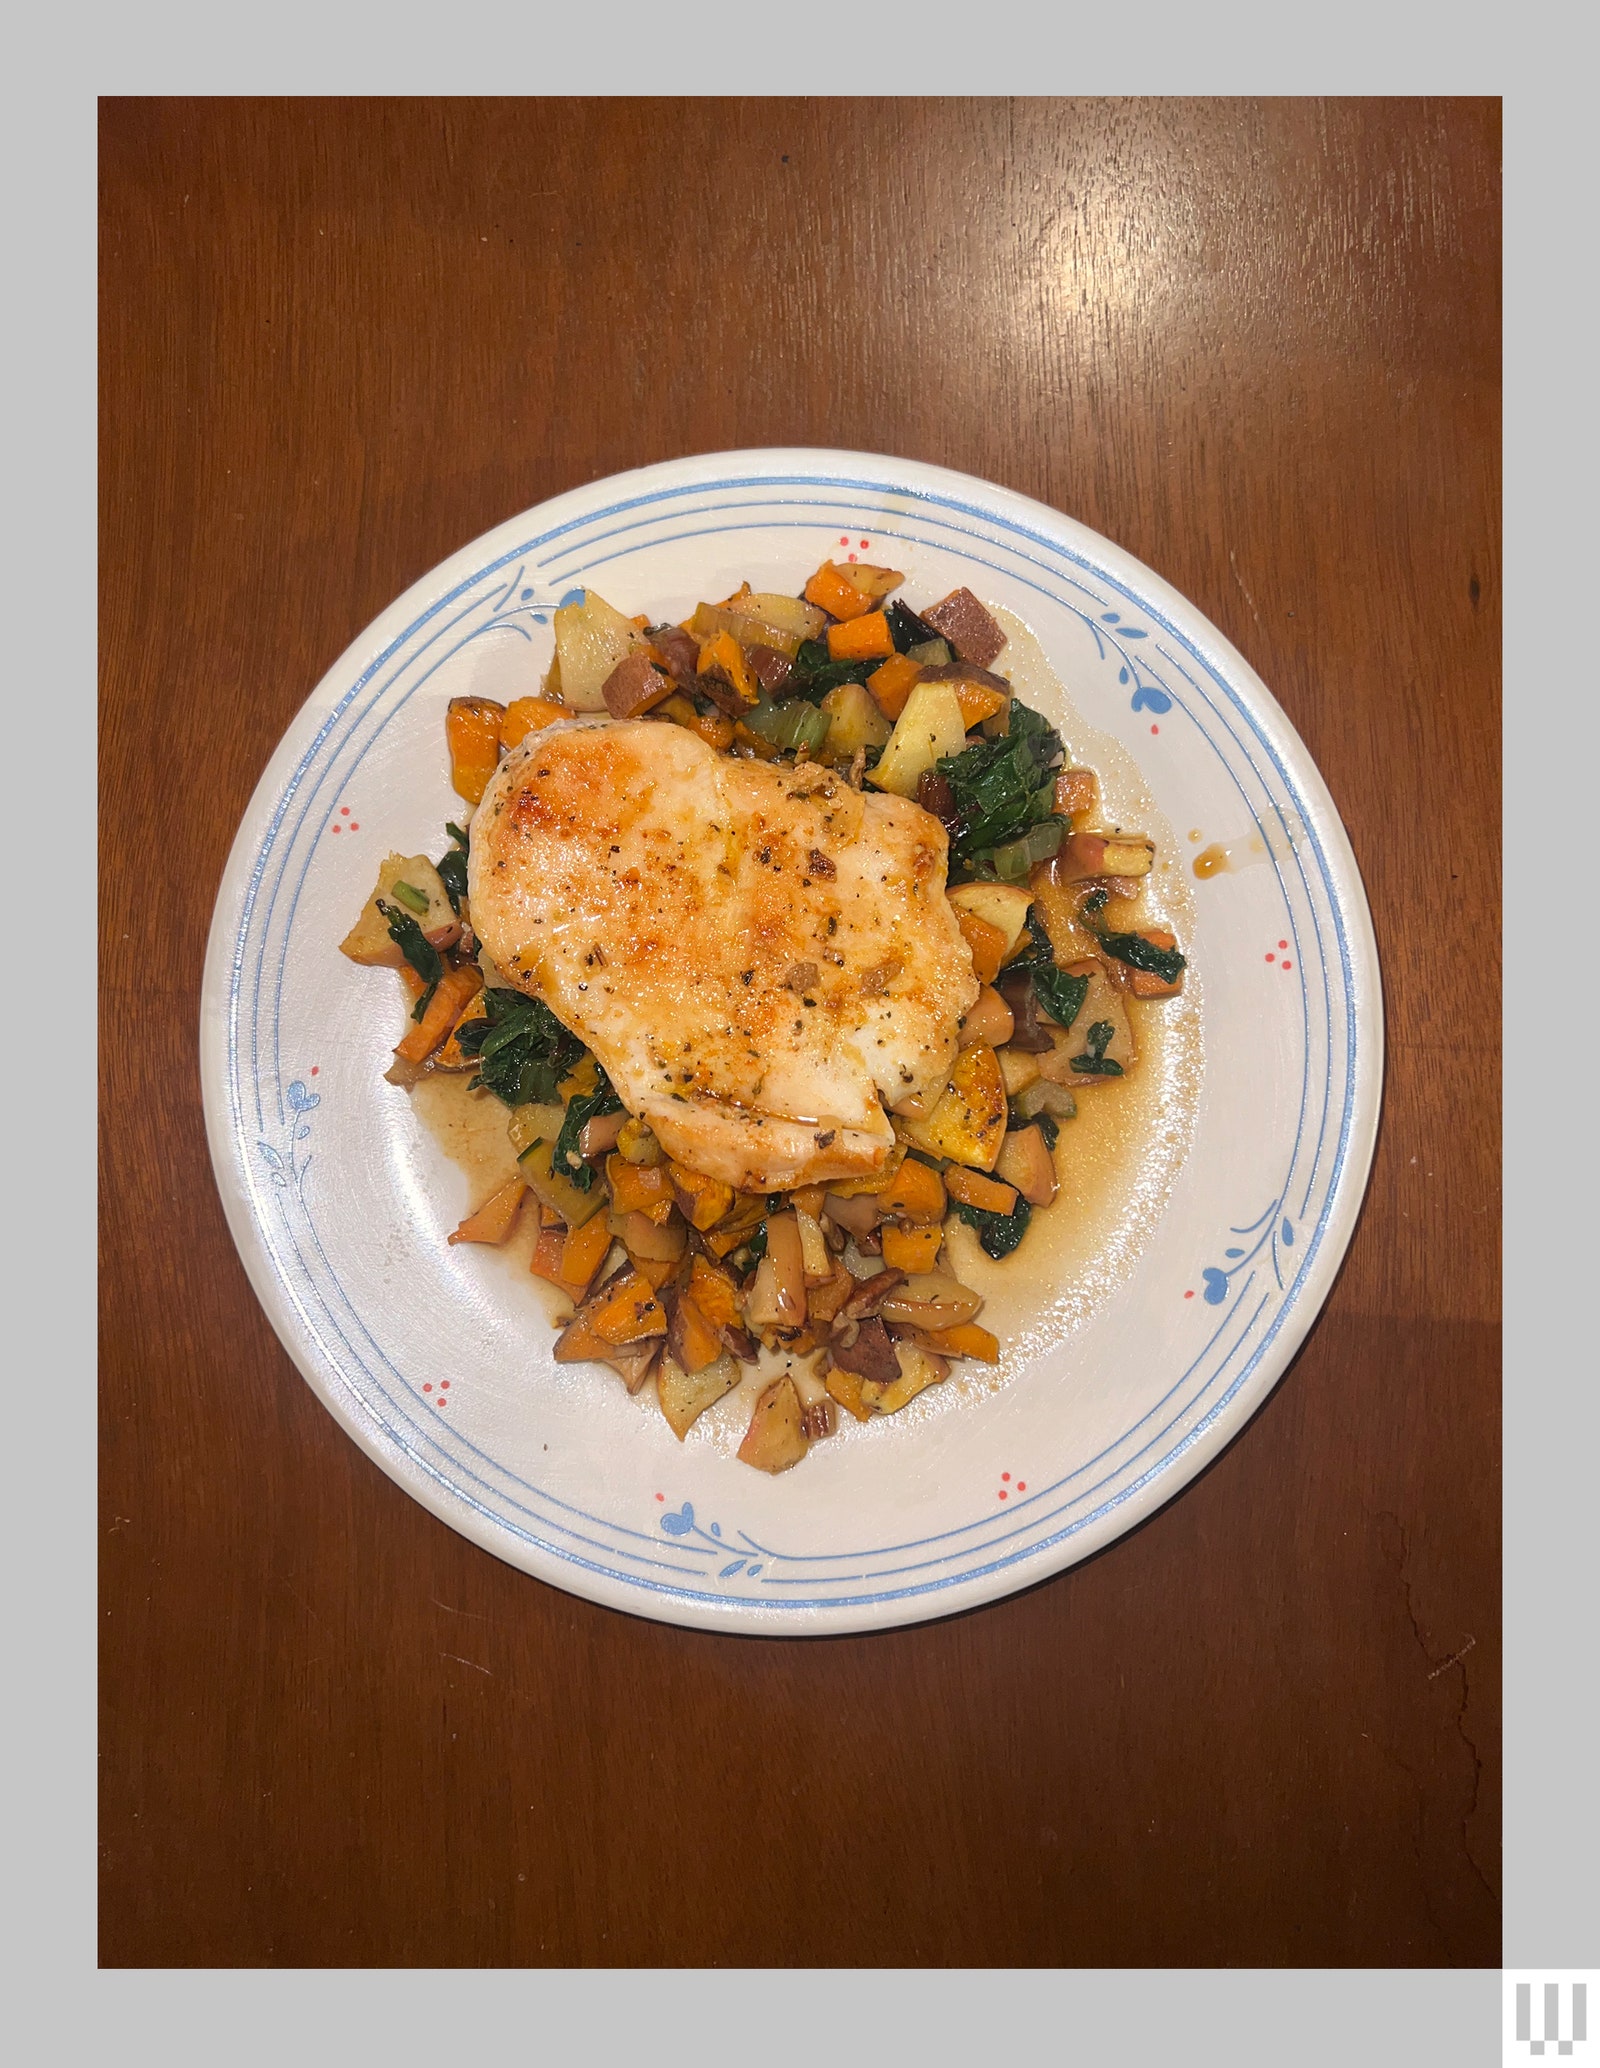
[1257, 344]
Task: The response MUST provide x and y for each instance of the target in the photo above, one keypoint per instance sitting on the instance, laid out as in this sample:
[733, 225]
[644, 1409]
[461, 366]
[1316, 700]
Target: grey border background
[1307, 2016]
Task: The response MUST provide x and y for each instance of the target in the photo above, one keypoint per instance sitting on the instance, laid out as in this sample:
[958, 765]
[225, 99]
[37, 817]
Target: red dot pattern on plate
[315, 1067]
[1155, 728]
[1189, 1295]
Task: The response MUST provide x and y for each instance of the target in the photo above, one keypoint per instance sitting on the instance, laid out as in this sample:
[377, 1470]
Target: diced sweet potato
[691, 1338]
[472, 732]
[914, 1194]
[584, 1250]
[893, 683]
[715, 1294]
[627, 1310]
[703, 1201]
[634, 686]
[529, 714]
[912, 1249]
[861, 639]
[845, 1386]
[1078, 794]
[1144, 983]
[962, 620]
[495, 1219]
[831, 590]
[988, 945]
[723, 655]
[638, 1187]
[456, 990]
[775, 1439]
[978, 702]
[972, 1188]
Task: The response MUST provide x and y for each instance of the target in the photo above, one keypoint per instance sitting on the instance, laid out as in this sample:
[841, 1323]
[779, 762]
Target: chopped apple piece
[775, 1439]
[685, 1396]
[1026, 1163]
[928, 729]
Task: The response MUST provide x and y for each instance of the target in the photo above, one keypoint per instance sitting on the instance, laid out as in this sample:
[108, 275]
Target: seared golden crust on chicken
[761, 957]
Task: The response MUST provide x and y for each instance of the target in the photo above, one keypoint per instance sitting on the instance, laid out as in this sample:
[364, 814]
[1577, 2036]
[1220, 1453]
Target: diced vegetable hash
[672, 1275]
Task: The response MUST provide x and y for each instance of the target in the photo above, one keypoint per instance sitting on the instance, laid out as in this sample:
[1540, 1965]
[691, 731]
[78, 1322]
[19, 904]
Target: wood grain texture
[1257, 345]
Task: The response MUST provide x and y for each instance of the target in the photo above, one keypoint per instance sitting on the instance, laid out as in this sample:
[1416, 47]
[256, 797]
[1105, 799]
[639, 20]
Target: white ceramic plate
[339, 1199]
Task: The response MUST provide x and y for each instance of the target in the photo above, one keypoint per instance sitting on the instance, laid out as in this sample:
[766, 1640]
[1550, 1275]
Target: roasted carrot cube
[861, 639]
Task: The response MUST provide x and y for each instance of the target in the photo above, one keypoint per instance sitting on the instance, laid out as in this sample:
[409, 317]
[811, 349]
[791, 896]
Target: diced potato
[1026, 1163]
[928, 729]
[781, 622]
[1004, 905]
[1018, 1069]
[854, 721]
[591, 638]
[969, 1123]
[775, 1440]
[472, 732]
[368, 941]
[1103, 1001]
[919, 1369]
[685, 1396]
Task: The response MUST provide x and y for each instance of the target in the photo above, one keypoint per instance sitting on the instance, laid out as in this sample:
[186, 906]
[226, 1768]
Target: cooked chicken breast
[761, 957]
